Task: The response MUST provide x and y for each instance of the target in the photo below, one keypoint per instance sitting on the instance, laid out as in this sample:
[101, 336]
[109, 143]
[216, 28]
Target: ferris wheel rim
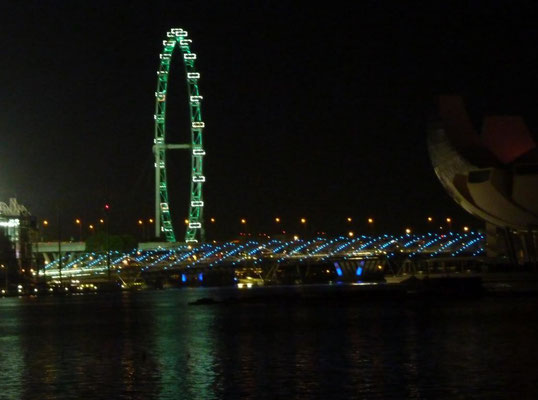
[178, 38]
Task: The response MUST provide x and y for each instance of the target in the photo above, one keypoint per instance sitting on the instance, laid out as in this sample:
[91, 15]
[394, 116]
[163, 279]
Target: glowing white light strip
[12, 223]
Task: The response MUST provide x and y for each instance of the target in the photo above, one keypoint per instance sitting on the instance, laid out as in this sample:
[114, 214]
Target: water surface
[153, 345]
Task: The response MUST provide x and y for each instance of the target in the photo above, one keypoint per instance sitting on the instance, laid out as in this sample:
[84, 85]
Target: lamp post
[370, 221]
[303, 224]
[142, 228]
[150, 221]
[4, 269]
[107, 239]
[45, 225]
[78, 222]
[244, 224]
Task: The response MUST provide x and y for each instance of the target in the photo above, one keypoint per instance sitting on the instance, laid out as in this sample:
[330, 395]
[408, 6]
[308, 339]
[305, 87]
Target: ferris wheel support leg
[157, 195]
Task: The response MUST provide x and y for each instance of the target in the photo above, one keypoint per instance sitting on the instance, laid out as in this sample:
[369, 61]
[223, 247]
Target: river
[154, 345]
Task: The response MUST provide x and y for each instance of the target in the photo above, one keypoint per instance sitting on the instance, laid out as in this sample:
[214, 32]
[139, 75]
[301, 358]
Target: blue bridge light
[338, 269]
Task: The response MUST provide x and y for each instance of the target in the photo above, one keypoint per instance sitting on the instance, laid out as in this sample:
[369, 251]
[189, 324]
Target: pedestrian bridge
[182, 257]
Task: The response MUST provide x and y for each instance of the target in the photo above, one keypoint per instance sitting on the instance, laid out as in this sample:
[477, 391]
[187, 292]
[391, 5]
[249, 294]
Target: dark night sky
[315, 112]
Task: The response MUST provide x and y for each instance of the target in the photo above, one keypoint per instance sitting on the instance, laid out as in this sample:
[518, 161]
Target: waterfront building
[492, 175]
[19, 226]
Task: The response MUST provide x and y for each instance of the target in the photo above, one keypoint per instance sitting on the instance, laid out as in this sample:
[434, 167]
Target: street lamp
[370, 221]
[212, 220]
[449, 223]
[408, 230]
[79, 224]
[5, 278]
[350, 234]
[143, 228]
[349, 219]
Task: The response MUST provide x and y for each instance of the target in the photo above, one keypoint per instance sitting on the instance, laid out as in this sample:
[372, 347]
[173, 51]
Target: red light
[107, 206]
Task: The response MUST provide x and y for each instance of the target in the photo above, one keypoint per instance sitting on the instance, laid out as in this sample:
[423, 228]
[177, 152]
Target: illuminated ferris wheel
[178, 38]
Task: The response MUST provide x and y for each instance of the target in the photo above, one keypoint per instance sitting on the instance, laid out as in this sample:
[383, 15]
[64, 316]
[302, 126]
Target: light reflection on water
[153, 345]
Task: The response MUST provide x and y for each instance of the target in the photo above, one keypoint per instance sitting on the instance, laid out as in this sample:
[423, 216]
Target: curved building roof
[493, 175]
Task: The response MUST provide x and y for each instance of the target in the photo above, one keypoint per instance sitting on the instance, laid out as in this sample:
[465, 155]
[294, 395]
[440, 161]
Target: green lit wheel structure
[178, 38]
